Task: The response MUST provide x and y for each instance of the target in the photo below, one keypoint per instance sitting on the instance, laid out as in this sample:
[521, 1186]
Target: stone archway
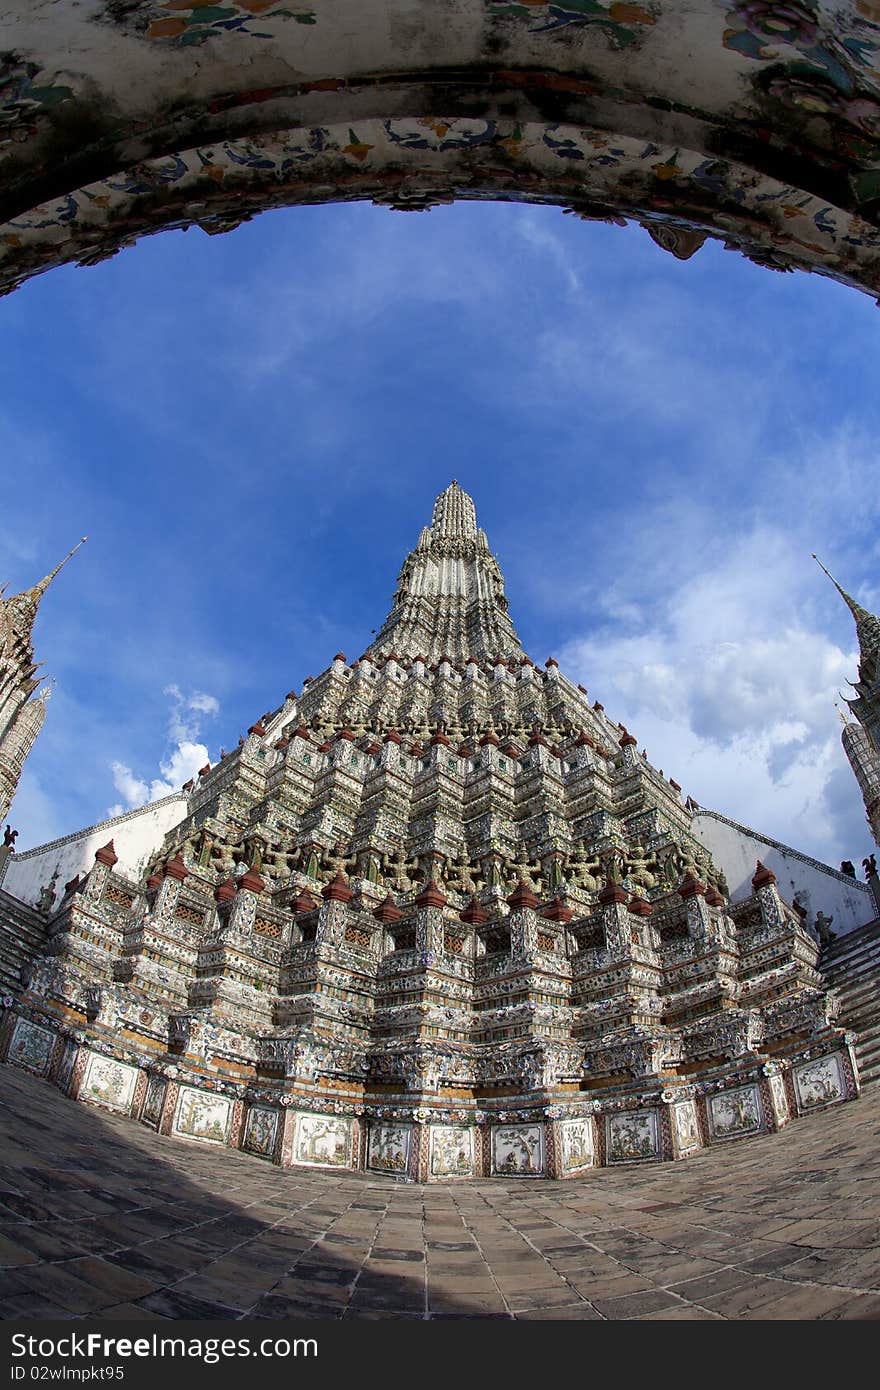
[748, 120]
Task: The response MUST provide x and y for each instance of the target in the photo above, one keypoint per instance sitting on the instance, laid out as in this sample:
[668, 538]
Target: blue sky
[251, 429]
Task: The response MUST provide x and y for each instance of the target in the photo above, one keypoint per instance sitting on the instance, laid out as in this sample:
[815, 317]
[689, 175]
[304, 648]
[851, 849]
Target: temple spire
[867, 624]
[450, 591]
[21, 718]
[454, 515]
[23, 607]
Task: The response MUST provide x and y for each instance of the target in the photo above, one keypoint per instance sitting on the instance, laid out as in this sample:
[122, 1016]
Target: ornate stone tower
[450, 594]
[861, 739]
[435, 916]
[21, 718]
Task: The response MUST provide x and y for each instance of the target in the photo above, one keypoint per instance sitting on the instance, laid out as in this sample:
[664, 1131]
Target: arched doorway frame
[746, 120]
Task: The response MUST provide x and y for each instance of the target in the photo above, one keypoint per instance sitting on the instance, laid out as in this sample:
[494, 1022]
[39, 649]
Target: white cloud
[133, 790]
[181, 762]
[205, 704]
[184, 720]
[730, 685]
[536, 231]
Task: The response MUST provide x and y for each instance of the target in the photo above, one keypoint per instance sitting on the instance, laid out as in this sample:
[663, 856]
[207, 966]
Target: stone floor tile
[580, 1312]
[32, 1305]
[469, 1284]
[846, 1235]
[677, 1269]
[57, 1243]
[777, 1257]
[515, 1283]
[462, 1302]
[384, 1252]
[130, 1312]
[738, 1302]
[791, 1232]
[12, 1254]
[601, 1285]
[708, 1286]
[863, 1307]
[393, 1300]
[79, 1294]
[301, 1291]
[237, 1295]
[177, 1213]
[553, 1296]
[101, 1275]
[635, 1305]
[682, 1313]
[168, 1303]
[277, 1306]
[807, 1301]
[448, 1317]
[377, 1314]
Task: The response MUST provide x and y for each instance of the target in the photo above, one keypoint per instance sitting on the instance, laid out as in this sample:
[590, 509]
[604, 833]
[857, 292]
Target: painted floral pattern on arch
[844, 54]
[433, 133]
[818, 67]
[615, 17]
[24, 98]
[186, 22]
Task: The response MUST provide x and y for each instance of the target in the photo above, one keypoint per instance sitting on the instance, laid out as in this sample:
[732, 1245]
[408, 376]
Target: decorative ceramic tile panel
[261, 1130]
[154, 1101]
[201, 1115]
[687, 1129]
[452, 1151]
[518, 1151]
[779, 1098]
[818, 1083]
[733, 1114]
[576, 1144]
[31, 1047]
[108, 1082]
[634, 1136]
[65, 1071]
[323, 1140]
[390, 1148]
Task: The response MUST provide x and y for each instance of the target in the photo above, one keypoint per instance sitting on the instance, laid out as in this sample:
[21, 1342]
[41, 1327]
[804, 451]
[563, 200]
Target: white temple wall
[135, 836]
[736, 849]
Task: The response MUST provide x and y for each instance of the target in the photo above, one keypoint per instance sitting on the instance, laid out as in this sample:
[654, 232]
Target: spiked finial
[449, 601]
[867, 624]
[454, 514]
[24, 605]
[44, 583]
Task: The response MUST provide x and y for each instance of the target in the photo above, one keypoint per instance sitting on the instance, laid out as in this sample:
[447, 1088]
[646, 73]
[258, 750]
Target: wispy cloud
[546, 243]
[181, 761]
[731, 688]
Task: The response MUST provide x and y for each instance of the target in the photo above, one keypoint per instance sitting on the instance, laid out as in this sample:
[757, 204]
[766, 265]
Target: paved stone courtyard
[102, 1217]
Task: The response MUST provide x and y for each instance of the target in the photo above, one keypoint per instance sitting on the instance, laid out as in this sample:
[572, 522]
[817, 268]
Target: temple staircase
[851, 965]
[22, 939]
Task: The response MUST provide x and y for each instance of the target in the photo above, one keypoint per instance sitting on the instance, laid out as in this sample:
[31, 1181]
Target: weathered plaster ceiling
[752, 121]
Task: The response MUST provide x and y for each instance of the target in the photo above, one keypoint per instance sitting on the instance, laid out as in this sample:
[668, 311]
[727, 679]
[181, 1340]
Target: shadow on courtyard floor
[100, 1216]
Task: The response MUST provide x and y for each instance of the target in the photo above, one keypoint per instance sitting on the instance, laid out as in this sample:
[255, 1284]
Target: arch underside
[753, 122]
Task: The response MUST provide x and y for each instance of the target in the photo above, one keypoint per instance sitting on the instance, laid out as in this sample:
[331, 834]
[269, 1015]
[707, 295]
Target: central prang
[436, 917]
